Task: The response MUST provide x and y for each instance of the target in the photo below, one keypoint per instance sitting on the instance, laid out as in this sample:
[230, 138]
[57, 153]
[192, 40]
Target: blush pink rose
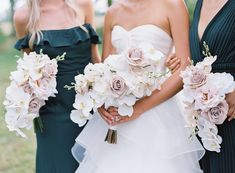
[135, 57]
[197, 78]
[27, 88]
[118, 86]
[217, 114]
[35, 104]
[207, 97]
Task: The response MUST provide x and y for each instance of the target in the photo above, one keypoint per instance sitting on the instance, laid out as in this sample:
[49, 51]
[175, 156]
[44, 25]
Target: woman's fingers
[175, 65]
[119, 121]
[176, 68]
[231, 113]
[113, 111]
[105, 115]
[169, 58]
[173, 62]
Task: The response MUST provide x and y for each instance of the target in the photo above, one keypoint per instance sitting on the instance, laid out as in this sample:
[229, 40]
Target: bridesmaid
[214, 23]
[55, 27]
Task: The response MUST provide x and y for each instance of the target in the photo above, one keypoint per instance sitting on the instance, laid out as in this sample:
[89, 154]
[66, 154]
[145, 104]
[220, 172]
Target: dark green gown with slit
[220, 37]
[55, 142]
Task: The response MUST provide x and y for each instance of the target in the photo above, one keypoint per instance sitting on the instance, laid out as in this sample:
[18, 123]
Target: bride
[154, 139]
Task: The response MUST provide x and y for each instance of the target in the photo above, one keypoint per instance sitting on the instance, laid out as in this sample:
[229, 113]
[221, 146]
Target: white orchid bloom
[125, 110]
[20, 76]
[19, 99]
[78, 117]
[84, 103]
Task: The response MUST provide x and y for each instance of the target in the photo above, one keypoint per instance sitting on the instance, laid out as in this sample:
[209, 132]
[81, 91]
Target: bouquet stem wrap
[111, 136]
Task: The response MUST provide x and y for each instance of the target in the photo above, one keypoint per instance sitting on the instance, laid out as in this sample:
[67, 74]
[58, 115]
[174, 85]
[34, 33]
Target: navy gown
[59, 132]
[220, 37]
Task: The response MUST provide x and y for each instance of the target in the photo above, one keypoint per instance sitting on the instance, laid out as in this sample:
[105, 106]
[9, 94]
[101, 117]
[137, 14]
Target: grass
[16, 154]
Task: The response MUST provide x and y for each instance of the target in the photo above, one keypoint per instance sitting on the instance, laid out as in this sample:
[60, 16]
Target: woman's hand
[230, 98]
[109, 118]
[173, 62]
[118, 119]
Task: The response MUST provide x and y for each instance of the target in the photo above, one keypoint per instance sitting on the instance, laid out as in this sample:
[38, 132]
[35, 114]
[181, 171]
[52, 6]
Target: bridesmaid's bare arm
[20, 18]
[107, 34]
[87, 7]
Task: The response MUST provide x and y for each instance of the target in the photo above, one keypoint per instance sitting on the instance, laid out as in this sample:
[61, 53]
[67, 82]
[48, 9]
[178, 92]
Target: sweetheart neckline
[140, 26]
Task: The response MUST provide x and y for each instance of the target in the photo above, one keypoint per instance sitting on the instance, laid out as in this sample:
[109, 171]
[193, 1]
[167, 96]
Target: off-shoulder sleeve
[95, 39]
[22, 43]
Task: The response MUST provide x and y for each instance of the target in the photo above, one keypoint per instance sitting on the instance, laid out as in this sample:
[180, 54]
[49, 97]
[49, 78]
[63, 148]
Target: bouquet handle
[111, 136]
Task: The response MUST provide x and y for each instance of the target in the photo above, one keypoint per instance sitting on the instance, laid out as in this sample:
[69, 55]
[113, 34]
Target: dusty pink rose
[197, 78]
[27, 88]
[35, 104]
[118, 86]
[217, 114]
[207, 97]
[135, 57]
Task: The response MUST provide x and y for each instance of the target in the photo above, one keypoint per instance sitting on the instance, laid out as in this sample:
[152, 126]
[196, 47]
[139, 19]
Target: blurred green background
[17, 154]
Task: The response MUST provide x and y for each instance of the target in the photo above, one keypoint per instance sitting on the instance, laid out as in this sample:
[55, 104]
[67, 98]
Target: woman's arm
[179, 20]
[107, 50]
[107, 45]
[88, 9]
[20, 23]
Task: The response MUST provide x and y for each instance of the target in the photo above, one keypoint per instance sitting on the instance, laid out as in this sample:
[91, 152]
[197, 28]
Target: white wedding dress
[156, 142]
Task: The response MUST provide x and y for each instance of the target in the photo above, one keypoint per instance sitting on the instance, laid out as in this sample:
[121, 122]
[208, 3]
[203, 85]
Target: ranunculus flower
[135, 57]
[118, 86]
[217, 114]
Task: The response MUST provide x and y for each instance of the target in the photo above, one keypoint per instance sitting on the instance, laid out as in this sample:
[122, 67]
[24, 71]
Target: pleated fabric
[220, 37]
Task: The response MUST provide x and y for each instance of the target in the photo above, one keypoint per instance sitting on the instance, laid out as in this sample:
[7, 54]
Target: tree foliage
[110, 2]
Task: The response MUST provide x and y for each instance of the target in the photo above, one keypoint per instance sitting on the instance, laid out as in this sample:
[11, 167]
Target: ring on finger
[117, 118]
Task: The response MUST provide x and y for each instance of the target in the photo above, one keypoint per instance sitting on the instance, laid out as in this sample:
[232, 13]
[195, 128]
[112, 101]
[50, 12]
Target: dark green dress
[55, 142]
[220, 37]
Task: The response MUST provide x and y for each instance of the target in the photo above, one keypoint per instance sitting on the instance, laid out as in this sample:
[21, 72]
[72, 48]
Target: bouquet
[120, 81]
[31, 85]
[205, 102]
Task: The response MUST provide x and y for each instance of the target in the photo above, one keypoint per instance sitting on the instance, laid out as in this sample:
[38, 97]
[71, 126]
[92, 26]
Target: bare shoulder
[115, 9]
[84, 4]
[175, 4]
[21, 18]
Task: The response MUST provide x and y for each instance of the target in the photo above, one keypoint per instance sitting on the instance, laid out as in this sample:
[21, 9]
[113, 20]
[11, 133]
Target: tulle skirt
[156, 142]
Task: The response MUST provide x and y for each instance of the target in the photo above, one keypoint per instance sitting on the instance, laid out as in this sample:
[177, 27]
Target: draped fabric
[219, 35]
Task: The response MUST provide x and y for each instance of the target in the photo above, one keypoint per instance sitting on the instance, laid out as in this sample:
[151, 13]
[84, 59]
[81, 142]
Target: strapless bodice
[152, 34]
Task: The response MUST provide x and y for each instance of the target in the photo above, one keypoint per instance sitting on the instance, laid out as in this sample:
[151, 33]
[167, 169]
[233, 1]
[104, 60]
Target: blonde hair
[34, 18]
